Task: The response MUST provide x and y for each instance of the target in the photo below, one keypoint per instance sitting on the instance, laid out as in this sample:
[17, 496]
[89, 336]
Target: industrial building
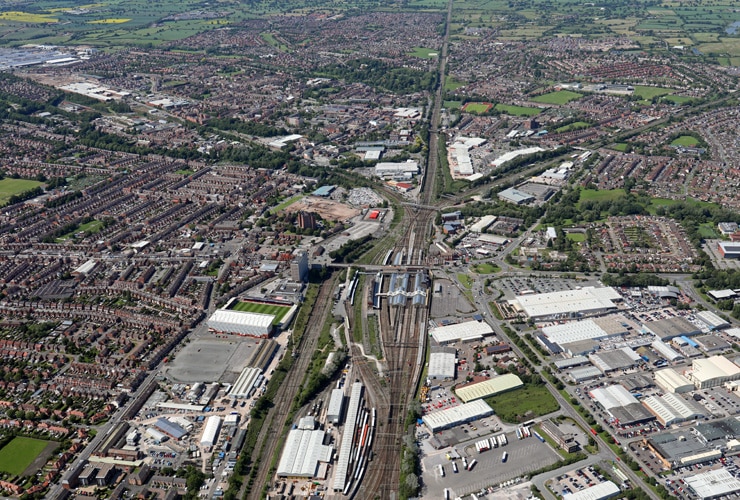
[585, 373]
[729, 249]
[567, 441]
[679, 448]
[490, 387]
[621, 405]
[671, 381]
[334, 411]
[483, 224]
[513, 195]
[170, 429]
[451, 417]
[210, 432]
[442, 363]
[461, 332]
[245, 384]
[671, 409]
[575, 331]
[564, 364]
[241, 323]
[713, 371]
[303, 451]
[665, 350]
[713, 484]
[157, 436]
[712, 321]
[615, 359]
[403, 170]
[600, 491]
[345, 450]
[568, 303]
[666, 329]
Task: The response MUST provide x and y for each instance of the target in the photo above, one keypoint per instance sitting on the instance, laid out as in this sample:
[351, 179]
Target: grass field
[424, 53]
[20, 453]
[278, 311]
[287, 203]
[452, 104]
[10, 187]
[622, 146]
[677, 99]
[559, 97]
[600, 195]
[576, 237]
[451, 84]
[647, 92]
[477, 107]
[522, 404]
[517, 110]
[486, 268]
[685, 140]
[465, 280]
[572, 126]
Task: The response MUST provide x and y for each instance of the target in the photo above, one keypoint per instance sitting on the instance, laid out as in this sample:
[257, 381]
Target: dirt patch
[327, 209]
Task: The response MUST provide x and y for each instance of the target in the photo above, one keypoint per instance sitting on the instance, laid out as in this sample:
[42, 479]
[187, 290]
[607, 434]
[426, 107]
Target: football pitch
[18, 454]
[260, 308]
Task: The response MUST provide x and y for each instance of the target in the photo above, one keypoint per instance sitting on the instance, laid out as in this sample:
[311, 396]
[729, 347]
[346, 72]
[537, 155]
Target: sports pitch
[18, 454]
[256, 307]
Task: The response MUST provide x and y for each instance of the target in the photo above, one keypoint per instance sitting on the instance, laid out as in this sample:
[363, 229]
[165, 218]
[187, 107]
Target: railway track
[270, 436]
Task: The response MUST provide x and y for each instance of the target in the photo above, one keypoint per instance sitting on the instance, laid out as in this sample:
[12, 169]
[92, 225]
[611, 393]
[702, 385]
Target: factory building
[729, 249]
[335, 409]
[671, 381]
[713, 484]
[714, 371]
[490, 387]
[461, 332]
[304, 450]
[442, 363]
[600, 491]
[669, 328]
[712, 321]
[568, 303]
[246, 383]
[403, 170]
[621, 405]
[452, 417]
[345, 450]
[170, 429]
[210, 432]
[671, 409]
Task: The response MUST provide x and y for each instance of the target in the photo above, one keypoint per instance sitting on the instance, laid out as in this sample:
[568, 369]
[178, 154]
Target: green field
[18, 454]
[486, 268]
[686, 140]
[572, 126]
[451, 84]
[647, 92]
[476, 107]
[522, 404]
[424, 53]
[677, 99]
[465, 280]
[559, 97]
[600, 195]
[452, 104]
[10, 187]
[517, 110]
[278, 311]
[286, 203]
[622, 146]
[576, 237]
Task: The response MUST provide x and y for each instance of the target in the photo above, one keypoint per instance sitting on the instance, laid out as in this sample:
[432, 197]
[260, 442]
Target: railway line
[270, 436]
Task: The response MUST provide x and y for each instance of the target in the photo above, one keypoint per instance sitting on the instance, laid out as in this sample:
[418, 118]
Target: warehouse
[713, 484]
[490, 387]
[513, 195]
[245, 384]
[442, 363]
[241, 323]
[666, 329]
[729, 249]
[615, 359]
[671, 381]
[567, 303]
[575, 331]
[621, 405]
[712, 321]
[670, 409]
[492, 239]
[403, 170]
[303, 451]
[714, 371]
[345, 450]
[461, 332]
[712, 343]
[601, 491]
[210, 432]
[170, 429]
[483, 224]
[579, 375]
[564, 364]
[451, 417]
[665, 350]
[677, 447]
[336, 407]
[157, 437]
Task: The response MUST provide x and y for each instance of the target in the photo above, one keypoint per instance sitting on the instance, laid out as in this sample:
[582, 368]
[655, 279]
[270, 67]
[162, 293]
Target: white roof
[665, 350]
[671, 408]
[245, 382]
[713, 483]
[493, 239]
[442, 365]
[574, 331]
[303, 450]
[711, 319]
[483, 223]
[733, 332]
[670, 380]
[469, 330]
[596, 492]
[86, 267]
[613, 396]
[489, 387]
[213, 424]
[450, 417]
[242, 318]
[513, 154]
[705, 369]
[565, 302]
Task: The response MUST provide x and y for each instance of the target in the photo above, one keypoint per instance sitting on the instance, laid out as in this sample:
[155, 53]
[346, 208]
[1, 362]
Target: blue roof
[324, 191]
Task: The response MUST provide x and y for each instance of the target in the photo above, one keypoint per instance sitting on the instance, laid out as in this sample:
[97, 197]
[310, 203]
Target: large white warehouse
[210, 432]
[567, 303]
[241, 323]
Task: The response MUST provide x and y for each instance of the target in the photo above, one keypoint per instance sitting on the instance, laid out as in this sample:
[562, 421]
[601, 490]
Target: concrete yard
[212, 359]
